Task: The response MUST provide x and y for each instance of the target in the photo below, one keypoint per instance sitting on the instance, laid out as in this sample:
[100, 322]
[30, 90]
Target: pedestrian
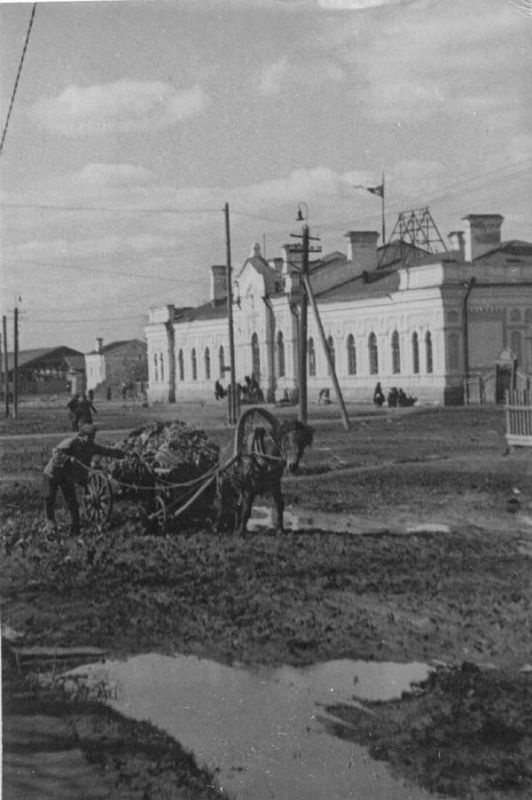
[73, 406]
[219, 391]
[378, 395]
[85, 411]
[69, 467]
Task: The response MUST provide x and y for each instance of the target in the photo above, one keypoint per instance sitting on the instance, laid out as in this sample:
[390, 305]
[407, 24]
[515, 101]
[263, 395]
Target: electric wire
[19, 71]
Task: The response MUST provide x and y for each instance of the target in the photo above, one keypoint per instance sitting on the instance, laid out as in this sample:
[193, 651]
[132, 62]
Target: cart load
[170, 469]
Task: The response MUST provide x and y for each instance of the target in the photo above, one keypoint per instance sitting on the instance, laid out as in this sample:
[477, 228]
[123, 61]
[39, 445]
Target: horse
[257, 469]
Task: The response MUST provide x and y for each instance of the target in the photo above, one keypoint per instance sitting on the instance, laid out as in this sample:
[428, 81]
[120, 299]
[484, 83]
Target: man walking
[69, 467]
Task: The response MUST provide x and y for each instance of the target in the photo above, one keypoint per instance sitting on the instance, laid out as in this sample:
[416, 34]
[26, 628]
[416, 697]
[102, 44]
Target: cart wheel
[159, 516]
[98, 500]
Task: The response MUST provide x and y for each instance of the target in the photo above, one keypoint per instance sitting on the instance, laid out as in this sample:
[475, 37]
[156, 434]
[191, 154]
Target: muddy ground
[456, 593]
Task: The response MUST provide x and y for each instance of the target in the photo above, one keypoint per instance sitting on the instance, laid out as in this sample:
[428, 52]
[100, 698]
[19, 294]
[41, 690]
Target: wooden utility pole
[232, 394]
[303, 327]
[330, 362]
[15, 362]
[6, 366]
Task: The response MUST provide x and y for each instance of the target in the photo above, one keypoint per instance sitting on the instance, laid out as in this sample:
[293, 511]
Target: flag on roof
[378, 190]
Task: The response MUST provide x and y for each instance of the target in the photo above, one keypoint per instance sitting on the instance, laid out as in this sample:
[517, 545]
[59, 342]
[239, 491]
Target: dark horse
[257, 469]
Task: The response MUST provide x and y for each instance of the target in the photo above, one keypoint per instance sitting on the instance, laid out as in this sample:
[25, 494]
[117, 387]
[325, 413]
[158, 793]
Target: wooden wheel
[251, 418]
[98, 499]
[159, 515]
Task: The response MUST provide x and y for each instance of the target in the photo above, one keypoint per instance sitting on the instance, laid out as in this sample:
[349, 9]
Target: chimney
[457, 242]
[218, 282]
[483, 233]
[292, 263]
[99, 344]
[362, 251]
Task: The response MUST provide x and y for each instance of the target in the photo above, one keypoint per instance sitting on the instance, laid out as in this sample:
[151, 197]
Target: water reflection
[261, 728]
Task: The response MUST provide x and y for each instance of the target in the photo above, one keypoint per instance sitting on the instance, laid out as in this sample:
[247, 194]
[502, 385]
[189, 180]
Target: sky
[134, 123]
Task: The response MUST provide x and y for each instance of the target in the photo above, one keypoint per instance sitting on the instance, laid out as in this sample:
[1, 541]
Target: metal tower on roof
[417, 229]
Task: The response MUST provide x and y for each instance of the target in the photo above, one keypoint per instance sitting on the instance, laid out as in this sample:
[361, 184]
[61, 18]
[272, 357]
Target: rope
[4, 133]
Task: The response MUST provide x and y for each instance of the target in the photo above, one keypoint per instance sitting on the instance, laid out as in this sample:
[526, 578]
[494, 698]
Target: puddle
[262, 729]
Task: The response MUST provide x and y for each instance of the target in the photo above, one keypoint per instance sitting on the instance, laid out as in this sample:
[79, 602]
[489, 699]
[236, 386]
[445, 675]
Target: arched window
[415, 353]
[221, 361]
[255, 357]
[515, 344]
[396, 354]
[181, 364]
[311, 357]
[280, 355]
[161, 361]
[207, 359]
[330, 345]
[373, 355]
[156, 368]
[194, 364]
[428, 352]
[351, 356]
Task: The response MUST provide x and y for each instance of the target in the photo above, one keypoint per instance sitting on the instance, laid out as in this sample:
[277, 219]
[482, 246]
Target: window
[396, 354]
[351, 356]
[280, 355]
[194, 364]
[255, 357]
[330, 345]
[221, 361]
[428, 352]
[156, 368]
[181, 364]
[415, 353]
[515, 344]
[161, 361]
[311, 357]
[373, 355]
[207, 359]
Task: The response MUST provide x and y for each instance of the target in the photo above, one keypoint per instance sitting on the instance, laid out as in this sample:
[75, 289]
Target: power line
[113, 209]
[15, 87]
[102, 271]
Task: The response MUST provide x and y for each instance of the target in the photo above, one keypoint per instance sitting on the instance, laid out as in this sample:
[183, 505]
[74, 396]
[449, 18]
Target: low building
[396, 314]
[117, 367]
[47, 370]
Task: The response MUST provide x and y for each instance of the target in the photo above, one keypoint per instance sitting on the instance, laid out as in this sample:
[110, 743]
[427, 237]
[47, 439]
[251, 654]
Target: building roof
[106, 348]
[216, 309]
[512, 247]
[374, 284]
[44, 354]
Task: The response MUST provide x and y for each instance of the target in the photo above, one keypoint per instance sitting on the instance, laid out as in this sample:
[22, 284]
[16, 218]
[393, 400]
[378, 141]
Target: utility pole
[303, 314]
[6, 366]
[330, 362]
[15, 362]
[232, 393]
[468, 289]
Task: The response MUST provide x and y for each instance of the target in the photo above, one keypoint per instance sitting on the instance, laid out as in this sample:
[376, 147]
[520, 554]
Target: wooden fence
[518, 418]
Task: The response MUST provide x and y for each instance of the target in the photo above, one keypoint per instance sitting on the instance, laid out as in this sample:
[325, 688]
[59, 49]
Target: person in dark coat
[85, 411]
[378, 395]
[69, 467]
[73, 405]
[219, 391]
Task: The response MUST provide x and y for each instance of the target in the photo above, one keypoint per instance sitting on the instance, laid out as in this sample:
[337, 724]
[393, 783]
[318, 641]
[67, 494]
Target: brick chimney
[362, 251]
[99, 344]
[292, 262]
[457, 242]
[218, 282]
[482, 233]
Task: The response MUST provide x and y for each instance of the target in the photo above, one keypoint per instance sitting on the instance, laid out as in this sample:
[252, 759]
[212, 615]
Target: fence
[518, 418]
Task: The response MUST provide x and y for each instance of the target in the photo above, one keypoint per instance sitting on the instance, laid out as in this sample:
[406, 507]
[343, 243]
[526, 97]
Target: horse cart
[171, 469]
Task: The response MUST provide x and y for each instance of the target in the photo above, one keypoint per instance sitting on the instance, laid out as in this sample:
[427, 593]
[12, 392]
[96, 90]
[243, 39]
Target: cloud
[355, 5]
[120, 107]
[288, 72]
[425, 58]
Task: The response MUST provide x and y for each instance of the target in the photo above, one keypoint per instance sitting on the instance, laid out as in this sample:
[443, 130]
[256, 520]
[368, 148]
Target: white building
[413, 323]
